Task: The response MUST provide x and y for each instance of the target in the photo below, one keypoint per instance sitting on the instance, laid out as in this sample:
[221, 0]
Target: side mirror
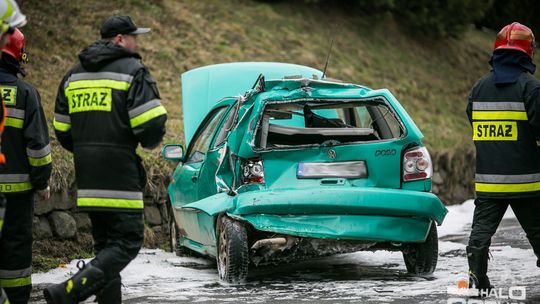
[173, 152]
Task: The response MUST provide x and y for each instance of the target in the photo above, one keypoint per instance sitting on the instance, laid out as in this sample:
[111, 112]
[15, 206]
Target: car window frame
[202, 127]
[231, 112]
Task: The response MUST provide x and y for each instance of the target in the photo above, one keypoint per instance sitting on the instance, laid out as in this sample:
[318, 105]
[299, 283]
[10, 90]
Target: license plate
[349, 169]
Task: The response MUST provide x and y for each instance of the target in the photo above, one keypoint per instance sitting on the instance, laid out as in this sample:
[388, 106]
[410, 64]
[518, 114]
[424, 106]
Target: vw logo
[332, 154]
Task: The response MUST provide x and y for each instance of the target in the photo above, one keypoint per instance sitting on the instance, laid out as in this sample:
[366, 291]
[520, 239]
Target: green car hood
[203, 87]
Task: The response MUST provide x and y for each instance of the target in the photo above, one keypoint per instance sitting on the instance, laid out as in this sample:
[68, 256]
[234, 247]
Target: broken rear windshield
[326, 123]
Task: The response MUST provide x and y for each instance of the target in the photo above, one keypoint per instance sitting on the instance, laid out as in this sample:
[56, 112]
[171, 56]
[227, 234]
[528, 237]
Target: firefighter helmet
[516, 36]
[16, 45]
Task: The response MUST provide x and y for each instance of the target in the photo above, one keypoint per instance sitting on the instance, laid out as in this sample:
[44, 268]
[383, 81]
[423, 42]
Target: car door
[216, 152]
[188, 175]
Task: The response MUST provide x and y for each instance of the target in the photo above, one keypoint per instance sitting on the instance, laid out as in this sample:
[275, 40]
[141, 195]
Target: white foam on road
[377, 276]
[458, 219]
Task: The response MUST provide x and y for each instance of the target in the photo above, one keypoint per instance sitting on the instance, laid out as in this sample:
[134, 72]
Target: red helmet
[15, 46]
[516, 36]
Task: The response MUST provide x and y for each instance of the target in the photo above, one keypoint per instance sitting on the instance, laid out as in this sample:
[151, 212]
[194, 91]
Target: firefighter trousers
[118, 237]
[16, 247]
[488, 214]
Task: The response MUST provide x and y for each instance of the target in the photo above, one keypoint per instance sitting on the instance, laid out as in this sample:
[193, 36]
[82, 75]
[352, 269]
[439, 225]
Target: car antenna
[327, 58]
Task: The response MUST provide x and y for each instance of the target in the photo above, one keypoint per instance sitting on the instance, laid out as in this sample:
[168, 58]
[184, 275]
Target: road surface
[362, 277]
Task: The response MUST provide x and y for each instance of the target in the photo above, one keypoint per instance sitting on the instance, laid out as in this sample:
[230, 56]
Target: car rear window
[326, 123]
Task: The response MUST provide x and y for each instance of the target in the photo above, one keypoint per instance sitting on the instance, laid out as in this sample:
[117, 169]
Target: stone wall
[453, 177]
[58, 218]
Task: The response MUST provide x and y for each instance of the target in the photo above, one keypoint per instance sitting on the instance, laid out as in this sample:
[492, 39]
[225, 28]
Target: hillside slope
[430, 78]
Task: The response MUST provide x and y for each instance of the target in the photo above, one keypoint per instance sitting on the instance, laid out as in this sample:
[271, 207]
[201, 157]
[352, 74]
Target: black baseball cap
[121, 25]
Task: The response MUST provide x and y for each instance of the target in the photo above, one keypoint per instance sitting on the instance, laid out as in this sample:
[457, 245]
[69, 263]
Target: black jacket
[106, 105]
[25, 141]
[505, 122]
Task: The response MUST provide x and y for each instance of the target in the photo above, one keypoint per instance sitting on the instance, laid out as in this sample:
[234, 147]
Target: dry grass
[431, 78]
[49, 254]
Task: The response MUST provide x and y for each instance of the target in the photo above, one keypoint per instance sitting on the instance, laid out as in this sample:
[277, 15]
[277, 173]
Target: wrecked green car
[282, 165]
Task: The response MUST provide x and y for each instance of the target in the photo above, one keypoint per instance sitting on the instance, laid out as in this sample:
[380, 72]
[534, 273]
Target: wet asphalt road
[353, 278]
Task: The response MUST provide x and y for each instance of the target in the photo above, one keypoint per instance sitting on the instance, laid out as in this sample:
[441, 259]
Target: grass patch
[49, 254]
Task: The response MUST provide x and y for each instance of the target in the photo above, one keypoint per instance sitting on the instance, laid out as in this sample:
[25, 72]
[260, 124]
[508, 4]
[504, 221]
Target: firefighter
[106, 105]
[12, 18]
[504, 111]
[27, 171]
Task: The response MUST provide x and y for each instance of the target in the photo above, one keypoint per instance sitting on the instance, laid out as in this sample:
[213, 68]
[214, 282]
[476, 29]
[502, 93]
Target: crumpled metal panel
[345, 227]
[370, 217]
[341, 200]
[213, 205]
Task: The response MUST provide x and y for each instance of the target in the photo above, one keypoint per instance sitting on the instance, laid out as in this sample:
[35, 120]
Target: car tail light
[417, 164]
[252, 171]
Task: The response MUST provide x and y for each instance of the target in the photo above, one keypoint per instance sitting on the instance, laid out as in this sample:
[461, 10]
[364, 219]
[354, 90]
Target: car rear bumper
[404, 205]
[343, 227]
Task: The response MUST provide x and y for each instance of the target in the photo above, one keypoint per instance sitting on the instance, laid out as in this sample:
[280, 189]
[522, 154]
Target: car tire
[421, 258]
[233, 254]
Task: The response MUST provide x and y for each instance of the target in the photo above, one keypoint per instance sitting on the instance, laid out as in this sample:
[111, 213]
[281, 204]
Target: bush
[440, 18]
[501, 13]
[429, 18]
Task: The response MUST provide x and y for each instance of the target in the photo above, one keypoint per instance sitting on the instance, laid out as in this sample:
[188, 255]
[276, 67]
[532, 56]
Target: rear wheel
[233, 254]
[421, 258]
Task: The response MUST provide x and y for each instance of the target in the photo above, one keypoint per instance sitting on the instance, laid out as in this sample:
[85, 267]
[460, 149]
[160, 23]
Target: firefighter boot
[478, 264]
[3, 297]
[111, 293]
[79, 287]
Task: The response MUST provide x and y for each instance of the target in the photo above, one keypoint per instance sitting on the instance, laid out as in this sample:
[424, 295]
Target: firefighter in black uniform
[106, 105]
[27, 170]
[12, 18]
[504, 110]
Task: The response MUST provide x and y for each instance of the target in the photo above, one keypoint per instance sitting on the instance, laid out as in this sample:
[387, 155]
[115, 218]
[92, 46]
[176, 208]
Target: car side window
[201, 143]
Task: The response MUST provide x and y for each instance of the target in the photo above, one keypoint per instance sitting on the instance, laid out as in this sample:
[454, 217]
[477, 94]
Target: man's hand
[44, 194]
